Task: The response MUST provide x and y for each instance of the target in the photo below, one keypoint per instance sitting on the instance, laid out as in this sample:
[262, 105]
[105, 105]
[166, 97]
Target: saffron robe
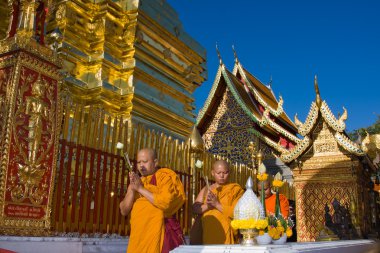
[270, 205]
[147, 220]
[216, 225]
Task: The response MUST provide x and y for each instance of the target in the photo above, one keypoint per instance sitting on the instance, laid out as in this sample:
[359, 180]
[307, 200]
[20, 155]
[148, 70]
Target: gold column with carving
[30, 123]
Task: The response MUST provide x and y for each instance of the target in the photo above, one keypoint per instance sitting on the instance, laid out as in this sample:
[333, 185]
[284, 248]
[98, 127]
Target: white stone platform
[119, 245]
[63, 244]
[352, 246]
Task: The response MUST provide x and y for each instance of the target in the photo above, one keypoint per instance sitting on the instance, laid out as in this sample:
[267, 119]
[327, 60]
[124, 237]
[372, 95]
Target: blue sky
[339, 41]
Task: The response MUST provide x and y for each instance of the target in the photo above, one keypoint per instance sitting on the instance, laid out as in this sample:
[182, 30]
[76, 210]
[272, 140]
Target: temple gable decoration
[238, 107]
[320, 110]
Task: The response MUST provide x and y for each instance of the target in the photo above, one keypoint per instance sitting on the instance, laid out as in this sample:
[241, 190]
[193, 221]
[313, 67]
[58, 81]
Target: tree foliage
[373, 129]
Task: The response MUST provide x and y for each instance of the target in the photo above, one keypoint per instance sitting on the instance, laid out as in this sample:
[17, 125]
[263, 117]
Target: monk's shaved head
[150, 152]
[221, 164]
[220, 171]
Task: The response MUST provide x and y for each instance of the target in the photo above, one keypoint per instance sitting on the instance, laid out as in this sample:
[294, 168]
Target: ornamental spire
[235, 54]
[220, 58]
[318, 99]
[270, 82]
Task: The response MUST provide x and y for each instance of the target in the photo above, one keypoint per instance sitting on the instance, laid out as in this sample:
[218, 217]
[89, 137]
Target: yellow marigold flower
[275, 236]
[248, 224]
[261, 232]
[274, 233]
[289, 232]
[261, 224]
[271, 232]
[280, 229]
[234, 224]
[277, 183]
[262, 177]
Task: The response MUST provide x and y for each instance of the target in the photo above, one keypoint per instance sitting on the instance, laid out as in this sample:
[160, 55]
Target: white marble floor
[119, 245]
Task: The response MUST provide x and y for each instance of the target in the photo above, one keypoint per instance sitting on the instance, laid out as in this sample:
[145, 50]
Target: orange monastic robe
[216, 225]
[270, 205]
[147, 220]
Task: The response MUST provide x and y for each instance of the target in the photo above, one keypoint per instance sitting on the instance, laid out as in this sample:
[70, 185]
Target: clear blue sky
[292, 41]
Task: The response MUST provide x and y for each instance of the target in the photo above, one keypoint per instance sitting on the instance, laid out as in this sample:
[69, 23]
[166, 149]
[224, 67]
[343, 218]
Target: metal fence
[91, 178]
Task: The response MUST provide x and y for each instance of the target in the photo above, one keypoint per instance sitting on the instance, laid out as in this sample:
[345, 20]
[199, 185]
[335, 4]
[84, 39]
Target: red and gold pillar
[29, 132]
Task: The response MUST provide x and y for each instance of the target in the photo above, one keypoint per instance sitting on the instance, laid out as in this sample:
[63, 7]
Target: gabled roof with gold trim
[250, 94]
[264, 96]
[267, 127]
[321, 109]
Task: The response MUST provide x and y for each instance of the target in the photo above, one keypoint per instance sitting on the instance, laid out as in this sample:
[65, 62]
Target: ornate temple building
[330, 168]
[317, 154]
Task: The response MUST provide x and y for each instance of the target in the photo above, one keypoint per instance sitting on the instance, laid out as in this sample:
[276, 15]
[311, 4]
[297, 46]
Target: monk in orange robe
[152, 200]
[216, 204]
[270, 201]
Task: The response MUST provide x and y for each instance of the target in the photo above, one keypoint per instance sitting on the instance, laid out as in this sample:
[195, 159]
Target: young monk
[270, 200]
[216, 205]
[152, 200]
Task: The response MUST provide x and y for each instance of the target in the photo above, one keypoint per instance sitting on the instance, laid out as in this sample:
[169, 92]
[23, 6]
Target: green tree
[373, 129]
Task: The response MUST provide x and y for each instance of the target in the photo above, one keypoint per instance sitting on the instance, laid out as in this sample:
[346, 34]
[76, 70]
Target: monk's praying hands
[135, 180]
[212, 200]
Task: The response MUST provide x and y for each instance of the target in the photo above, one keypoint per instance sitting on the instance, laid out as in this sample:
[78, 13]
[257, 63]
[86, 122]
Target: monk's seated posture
[270, 201]
[216, 204]
[152, 200]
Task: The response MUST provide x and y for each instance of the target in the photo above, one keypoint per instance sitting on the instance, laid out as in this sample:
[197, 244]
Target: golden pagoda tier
[131, 57]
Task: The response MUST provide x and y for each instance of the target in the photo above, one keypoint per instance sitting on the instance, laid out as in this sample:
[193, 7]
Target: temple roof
[267, 129]
[320, 110]
[264, 96]
[271, 122]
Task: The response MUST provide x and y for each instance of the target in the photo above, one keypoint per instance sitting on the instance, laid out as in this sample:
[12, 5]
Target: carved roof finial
[344, 115]
[318, 99]
[270, 82]
[220, 58]
[235, 54]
